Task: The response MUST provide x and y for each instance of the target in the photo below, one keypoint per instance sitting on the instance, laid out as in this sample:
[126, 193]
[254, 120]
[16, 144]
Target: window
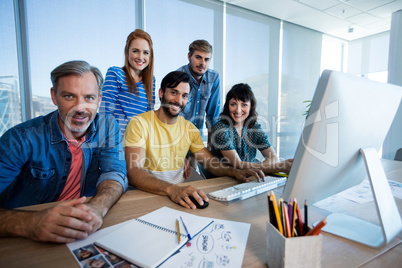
[333, 54]
[172, 32]
[10, 104]
[301, 62]
[254, 45]
[252, 57]
[369, 54]
[64, 30]
[378, 76]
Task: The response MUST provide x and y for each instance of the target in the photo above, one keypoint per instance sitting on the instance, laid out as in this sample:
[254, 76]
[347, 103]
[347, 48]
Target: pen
[305, 217]
[185, 228]
[178, 231]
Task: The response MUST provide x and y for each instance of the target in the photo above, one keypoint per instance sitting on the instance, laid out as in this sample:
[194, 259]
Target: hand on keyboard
[244, 174]
[249, 189]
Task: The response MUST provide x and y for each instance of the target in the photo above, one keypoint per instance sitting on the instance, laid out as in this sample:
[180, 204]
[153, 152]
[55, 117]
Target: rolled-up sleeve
[112, 163]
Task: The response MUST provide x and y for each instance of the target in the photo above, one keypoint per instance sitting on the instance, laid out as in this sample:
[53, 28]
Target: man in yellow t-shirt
[157, 142]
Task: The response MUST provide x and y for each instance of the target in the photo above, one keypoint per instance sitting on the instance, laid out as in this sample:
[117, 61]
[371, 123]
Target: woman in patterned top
[130, 90]
[237, 135]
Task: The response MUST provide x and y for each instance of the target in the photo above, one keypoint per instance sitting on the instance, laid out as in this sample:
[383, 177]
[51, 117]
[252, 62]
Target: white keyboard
[248, 189]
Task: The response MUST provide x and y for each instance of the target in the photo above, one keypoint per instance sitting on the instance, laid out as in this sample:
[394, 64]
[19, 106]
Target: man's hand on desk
[97, 218]
[62, 223]
[107, 194]
[244, 174]
[180, 195]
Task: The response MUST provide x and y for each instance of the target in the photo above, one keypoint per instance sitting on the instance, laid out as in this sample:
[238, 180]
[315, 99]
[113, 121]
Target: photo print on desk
[221, 244]
[92, 256]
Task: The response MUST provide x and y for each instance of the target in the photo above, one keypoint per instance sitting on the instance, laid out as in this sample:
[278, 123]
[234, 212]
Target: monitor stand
[360, 230]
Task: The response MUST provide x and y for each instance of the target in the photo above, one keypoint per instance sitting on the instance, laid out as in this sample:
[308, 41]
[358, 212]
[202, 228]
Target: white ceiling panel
[364, 19]
[386, 11]
[343, 11]
[318, 4]
[367, 5]
[333, 17]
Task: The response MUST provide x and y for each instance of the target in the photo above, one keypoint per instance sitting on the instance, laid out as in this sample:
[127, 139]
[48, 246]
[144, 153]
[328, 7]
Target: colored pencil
[316, 230]
[299, 219]
[276, 213]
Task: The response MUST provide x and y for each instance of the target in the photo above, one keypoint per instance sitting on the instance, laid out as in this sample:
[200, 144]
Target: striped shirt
[118, 101]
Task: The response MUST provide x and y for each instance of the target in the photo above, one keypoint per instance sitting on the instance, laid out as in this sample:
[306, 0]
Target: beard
[196, 72]
[166, 107]
[76, 127]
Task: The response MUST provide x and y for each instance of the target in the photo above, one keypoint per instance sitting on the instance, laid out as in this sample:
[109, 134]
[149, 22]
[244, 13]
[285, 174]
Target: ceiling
[346, 19]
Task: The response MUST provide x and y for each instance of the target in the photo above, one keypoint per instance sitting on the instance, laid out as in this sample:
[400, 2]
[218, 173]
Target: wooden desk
[336, 252]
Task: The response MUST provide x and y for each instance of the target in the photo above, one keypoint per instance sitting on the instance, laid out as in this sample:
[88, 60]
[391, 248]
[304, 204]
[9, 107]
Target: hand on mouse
[198, 204]
[180, 195]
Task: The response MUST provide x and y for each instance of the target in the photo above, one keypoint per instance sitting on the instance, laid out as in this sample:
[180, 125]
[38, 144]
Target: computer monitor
[348, 121]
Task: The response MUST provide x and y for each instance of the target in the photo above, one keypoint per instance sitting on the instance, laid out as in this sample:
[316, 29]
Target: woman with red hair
[130, 90]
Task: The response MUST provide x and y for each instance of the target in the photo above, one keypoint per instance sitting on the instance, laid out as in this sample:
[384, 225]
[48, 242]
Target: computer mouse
[196, 203]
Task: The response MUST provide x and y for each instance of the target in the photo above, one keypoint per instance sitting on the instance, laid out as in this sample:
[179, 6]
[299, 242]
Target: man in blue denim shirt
[204, 99]
[68, 154]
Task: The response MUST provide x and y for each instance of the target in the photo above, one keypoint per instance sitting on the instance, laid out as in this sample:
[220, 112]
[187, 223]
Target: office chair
[398, 155]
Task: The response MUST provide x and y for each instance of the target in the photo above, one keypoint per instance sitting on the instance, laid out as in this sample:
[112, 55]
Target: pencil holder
[302, 251]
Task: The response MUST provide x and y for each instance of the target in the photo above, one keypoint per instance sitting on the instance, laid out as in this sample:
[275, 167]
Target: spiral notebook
[151, 239]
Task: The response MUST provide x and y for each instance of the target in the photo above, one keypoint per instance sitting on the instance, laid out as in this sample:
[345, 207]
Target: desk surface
[336, 252]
